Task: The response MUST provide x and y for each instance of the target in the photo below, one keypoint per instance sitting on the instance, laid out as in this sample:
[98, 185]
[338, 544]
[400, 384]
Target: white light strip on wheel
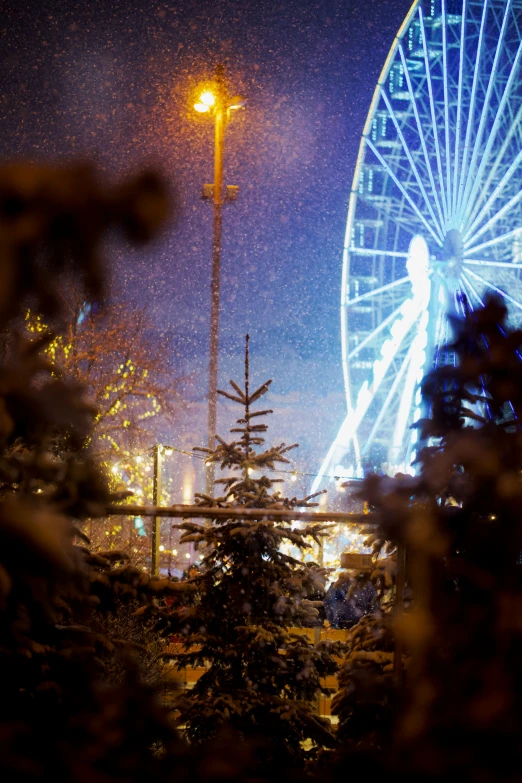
[495, 288]
[344, 324]
[441, 327]
[491, 222]
[433, 118]
[467, 142]
[456, 165]
[495, 194]
[381, 366]
[326, 462]
[495, 240]
[358, 348]
[485, 106]
[342, 312]
[406, 149]
[380, 290]
[413, 377]
[386, 404]
[494, 129]
[411, 310]
[421, 133]
[485, 262]
[403, 191]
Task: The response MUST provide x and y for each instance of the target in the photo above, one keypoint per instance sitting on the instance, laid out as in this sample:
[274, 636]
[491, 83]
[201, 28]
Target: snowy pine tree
[262, 677]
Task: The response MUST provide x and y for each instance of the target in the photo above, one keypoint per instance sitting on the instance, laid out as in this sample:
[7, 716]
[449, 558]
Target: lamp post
[158, 453]
[218, 103]
[156, 521]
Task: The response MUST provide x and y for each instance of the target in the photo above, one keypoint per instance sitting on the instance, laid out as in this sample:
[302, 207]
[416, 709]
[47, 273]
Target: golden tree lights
[117, 369]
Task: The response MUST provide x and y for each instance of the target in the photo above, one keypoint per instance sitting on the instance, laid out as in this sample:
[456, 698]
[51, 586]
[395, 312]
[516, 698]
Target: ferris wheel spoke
[414, 168]
[404, 192]
[466, 287]
[473, 216]
[368, 251]
[377, 291]
[494, 129]
[446, 105]
[421, 133]
[495, 194]
[486, 262]
[494, 287]
[469, 285]
[495, 218]
[405, 222]
[433, 118]
[367, 340]
[496, 240]
[386, 404]
[462, 54]
[486, 104]
[467, 142]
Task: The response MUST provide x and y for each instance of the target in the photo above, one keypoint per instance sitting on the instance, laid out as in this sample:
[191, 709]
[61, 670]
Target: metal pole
[156, 521]
[219, 148]
[217, 512]
[317, 640]
[400, 580]
[170, 551]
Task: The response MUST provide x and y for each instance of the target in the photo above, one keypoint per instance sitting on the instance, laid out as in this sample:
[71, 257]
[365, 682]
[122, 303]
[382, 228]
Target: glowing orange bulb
[207, 98]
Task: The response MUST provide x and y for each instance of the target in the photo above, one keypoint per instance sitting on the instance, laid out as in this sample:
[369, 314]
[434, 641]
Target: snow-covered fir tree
[263, 677]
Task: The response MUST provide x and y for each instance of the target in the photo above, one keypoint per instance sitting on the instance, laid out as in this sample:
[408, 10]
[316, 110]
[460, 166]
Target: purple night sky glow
[113, 79]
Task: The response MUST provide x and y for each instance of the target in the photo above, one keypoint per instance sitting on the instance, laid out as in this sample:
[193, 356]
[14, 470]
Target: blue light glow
[441, 151]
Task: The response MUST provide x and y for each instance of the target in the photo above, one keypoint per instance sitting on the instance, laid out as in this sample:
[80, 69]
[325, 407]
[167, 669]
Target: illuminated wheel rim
[434, 219]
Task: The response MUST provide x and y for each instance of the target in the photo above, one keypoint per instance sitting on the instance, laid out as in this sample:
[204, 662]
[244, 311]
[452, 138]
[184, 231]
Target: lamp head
[237, 102]
[206, 102]
[207, 98]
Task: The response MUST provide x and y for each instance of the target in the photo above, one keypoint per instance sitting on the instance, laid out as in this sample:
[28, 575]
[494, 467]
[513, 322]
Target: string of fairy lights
[146, 455]
[169, 450]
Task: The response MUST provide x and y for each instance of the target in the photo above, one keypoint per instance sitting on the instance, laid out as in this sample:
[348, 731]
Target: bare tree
[114, 353]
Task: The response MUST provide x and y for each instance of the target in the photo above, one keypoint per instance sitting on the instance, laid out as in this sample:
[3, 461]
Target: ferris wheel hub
[452, 254]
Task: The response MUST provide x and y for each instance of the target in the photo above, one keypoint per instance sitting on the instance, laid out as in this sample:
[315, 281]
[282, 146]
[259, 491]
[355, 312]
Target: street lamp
[159, 452]
[156, 500]
[220, 105]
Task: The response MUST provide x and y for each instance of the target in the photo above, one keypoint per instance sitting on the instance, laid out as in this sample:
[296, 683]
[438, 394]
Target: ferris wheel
[434, 218]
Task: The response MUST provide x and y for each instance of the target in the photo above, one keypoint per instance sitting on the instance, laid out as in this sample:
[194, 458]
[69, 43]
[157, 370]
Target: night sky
[114, 80]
